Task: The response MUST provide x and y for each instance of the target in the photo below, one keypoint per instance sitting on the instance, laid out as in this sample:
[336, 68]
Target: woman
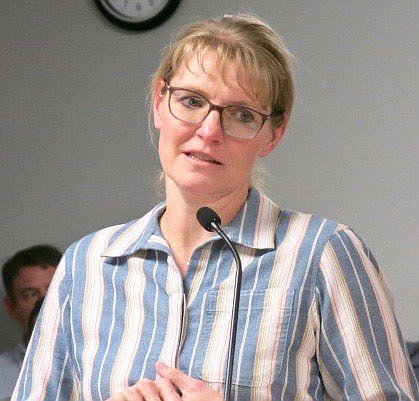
[142, 311]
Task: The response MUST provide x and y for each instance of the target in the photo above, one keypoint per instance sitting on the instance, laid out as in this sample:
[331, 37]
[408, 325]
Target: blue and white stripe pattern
[316, 319]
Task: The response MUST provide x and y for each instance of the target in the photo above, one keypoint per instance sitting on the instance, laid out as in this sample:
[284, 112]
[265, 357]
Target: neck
[179, 225]
[182, 233]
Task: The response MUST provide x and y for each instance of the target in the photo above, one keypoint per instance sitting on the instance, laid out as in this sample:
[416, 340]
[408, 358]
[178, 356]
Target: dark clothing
[413, 349]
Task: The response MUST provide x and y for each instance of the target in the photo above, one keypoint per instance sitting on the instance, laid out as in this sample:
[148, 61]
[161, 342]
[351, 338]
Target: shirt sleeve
[47, 373]
[360, 349]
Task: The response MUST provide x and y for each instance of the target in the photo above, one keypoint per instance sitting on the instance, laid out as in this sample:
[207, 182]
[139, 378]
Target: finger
[144, 390]
[122, 396]
[191, 389]
[118, 397]
[132, 394]
[182, 381]
[148, 390]
[167, 390]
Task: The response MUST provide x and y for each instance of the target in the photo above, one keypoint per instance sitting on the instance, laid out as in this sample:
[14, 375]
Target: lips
[202, 157]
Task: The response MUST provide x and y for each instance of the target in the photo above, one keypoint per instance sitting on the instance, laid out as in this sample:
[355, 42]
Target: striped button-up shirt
[316, 320]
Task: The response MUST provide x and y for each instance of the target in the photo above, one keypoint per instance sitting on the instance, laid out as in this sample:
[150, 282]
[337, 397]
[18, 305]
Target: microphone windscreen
[206, 216]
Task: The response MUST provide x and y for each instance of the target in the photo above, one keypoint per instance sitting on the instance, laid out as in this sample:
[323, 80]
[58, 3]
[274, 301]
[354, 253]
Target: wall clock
[137, 14]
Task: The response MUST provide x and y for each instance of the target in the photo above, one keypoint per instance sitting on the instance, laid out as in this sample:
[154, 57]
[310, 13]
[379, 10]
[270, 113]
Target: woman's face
[199, 158]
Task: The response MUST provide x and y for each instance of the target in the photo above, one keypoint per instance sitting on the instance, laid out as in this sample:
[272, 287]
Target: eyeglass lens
[190, 107]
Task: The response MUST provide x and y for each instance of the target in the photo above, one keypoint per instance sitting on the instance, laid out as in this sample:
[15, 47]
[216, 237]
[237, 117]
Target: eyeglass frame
[218, 108]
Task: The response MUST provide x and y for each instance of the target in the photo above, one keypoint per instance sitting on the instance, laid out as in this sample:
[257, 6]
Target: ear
[10, 307]
[157, 102]
[277, 135]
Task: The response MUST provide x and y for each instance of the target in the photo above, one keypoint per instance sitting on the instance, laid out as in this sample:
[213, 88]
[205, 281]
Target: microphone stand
[233, 328]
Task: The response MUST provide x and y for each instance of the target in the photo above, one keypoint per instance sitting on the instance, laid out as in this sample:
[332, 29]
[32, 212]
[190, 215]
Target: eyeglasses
[191, 107]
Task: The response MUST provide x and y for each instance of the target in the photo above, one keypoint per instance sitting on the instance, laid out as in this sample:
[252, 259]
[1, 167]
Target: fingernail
[160, 365]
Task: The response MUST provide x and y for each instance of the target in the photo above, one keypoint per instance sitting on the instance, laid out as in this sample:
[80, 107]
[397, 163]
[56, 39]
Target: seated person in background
[31, 324]
[413, 349]
[26, 277]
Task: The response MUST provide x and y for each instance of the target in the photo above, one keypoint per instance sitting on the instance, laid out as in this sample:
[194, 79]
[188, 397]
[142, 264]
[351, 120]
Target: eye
[193, 102]
[245, 115]
[242, 114]
[190, 100]
[30, 293]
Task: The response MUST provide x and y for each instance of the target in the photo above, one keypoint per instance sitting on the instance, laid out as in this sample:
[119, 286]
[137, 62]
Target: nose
[210, 129]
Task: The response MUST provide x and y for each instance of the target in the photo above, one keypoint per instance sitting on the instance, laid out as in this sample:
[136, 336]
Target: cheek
[28, 305]
[166, 148]
[242, 163]
[249, 154]
[157, 120]
[23, 310]
[173, 135]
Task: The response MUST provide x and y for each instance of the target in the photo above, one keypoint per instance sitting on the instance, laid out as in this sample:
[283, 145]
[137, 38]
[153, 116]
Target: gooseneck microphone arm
[210, 220]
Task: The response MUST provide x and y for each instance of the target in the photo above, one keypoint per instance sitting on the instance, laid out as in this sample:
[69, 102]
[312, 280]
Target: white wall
[76, 156]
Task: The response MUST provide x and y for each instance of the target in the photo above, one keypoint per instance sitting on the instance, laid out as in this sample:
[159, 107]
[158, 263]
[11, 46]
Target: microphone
[210, 220]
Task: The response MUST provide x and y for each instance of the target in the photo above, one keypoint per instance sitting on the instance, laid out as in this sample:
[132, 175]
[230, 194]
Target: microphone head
[206, 216]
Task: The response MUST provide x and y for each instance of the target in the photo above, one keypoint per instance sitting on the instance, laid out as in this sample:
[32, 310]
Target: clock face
[138, 9]
[137, 14]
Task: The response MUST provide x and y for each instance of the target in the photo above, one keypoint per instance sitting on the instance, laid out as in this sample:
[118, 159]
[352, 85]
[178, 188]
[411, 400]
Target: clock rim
[130, 23]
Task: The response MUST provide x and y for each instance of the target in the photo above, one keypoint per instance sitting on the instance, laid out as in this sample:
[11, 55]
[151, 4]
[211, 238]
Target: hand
[171, 385]
[172, 382]
[144, 390]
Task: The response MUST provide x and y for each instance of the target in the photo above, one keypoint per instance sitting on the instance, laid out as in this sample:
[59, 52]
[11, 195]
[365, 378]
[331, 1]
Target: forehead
[33, 276]
[210, 69]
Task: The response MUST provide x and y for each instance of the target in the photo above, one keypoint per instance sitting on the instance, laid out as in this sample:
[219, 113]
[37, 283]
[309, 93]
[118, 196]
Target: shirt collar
[143, 233]
[254, 226]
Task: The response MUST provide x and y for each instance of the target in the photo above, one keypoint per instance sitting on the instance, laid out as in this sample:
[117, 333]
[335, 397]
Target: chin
[201, 186]
[204, 185]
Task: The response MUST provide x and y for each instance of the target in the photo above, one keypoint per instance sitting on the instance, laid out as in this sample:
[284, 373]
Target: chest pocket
[263, 326]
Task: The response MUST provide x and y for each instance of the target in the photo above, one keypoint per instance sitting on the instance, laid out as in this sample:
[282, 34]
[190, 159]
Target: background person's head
[26, 278]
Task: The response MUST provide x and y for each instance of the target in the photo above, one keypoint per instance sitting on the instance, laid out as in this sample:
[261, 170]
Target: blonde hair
[263, 60]
[258, 51]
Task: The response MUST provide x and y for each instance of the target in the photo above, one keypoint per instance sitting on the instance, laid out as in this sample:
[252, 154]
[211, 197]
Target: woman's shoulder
[312, 221]
[117, 239]
[293, 216]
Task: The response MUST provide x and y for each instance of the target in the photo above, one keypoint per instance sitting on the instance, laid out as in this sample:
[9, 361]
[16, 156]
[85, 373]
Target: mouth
[201, 157]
